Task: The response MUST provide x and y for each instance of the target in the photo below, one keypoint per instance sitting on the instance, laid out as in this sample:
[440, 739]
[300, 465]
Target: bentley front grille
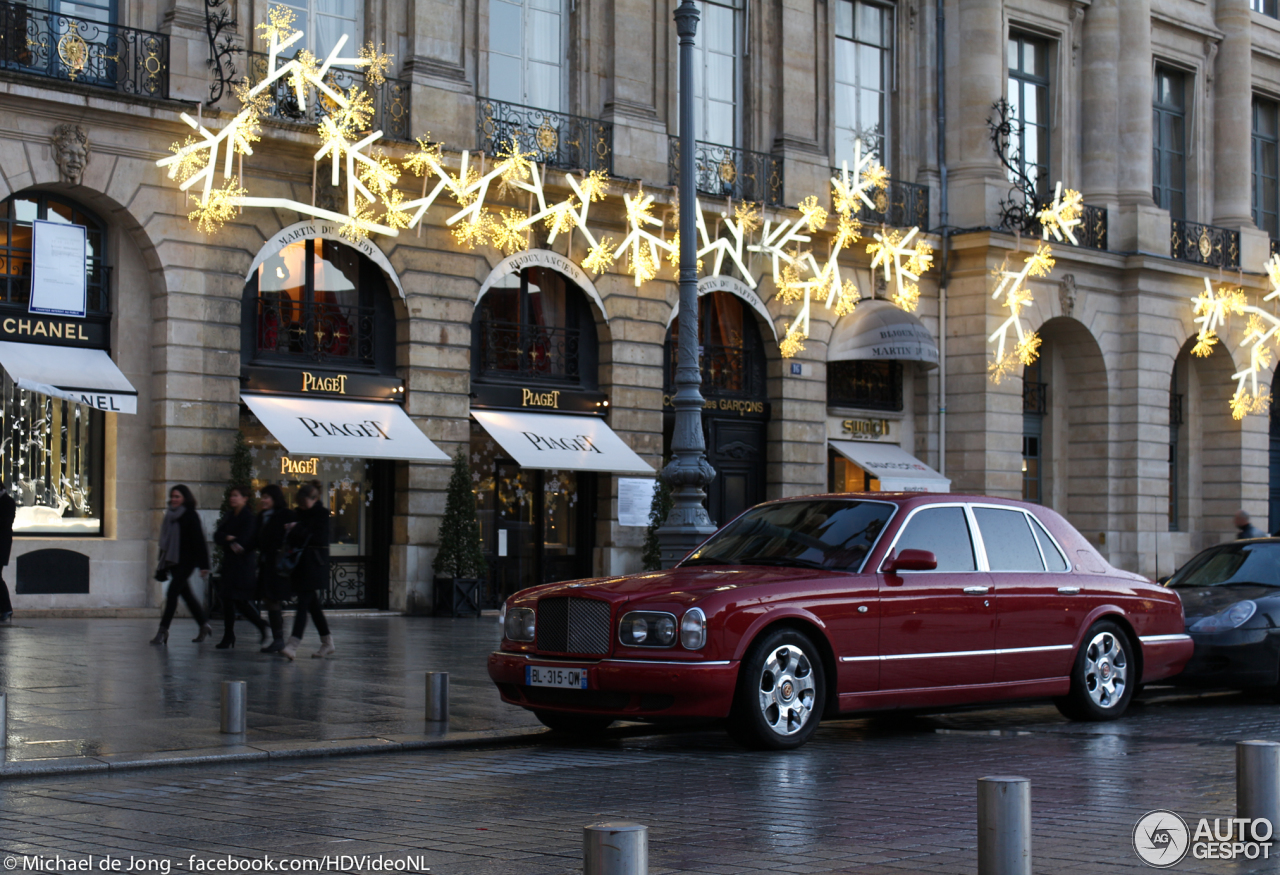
[574, 625]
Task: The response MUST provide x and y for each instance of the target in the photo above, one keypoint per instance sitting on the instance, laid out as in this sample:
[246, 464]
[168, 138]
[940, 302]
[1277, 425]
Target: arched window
[318, 302]
[51, 450]
[535, 325]
[16, 215]
[731, 351]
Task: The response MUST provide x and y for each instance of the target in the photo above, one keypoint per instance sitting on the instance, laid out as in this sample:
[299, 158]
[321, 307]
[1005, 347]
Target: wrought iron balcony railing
[514, 349]
[1204, 244]
[1035, 397]
[1092, 230]
[901, 205]
[728, 172]
[56, 46]
[391, 98]
[314, 330]
[556, 139]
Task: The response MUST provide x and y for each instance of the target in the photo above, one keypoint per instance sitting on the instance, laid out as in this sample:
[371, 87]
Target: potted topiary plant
[658, 510]
[459, 565]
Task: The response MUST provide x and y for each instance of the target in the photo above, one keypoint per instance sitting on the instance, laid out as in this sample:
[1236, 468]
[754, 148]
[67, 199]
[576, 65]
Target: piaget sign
[530, 398]
[336, 383]
[299, 466]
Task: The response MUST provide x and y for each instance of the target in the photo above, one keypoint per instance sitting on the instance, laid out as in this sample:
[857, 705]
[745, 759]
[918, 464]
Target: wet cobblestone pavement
[94, 688]
[869, 796]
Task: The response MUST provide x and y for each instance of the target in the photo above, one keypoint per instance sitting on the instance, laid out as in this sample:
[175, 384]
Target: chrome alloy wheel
[787, 690]
[1106, 670]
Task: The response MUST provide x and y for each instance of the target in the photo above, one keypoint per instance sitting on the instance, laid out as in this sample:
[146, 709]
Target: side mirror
[910, 560]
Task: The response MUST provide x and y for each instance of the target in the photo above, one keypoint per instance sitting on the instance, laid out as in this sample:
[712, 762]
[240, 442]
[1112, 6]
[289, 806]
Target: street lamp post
[689, 472]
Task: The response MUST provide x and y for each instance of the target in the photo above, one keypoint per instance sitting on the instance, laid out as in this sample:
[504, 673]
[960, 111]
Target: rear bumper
[1163, 656]
[622, 688]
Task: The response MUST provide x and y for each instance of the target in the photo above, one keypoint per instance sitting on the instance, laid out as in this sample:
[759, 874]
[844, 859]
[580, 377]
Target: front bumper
[623, 688]
[1235, 659]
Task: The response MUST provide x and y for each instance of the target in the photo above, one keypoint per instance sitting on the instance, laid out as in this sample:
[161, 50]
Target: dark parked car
[1231, 595]
[831, 604]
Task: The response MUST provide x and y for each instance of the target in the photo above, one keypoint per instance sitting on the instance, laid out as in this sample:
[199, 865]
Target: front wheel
[781, 690]
[573, 724]
[1104, 677]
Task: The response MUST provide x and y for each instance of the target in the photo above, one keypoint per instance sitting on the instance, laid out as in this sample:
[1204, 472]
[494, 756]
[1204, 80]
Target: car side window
[1052, 557]
[1007, 536]
[944, 532]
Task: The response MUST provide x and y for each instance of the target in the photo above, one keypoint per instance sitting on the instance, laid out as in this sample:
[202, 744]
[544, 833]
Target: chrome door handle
[1069, 590]
[977, 590]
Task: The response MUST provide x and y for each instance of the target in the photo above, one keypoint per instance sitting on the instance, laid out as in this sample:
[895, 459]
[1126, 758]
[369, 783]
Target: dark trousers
[247, 609]
[179, 587]
[6, 606]
[309, 603]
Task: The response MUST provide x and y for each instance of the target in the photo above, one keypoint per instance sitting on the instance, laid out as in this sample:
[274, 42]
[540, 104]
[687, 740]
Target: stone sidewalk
[91, 694]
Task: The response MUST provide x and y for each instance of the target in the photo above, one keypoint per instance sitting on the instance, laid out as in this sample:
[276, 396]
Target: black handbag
[162, 572]
[287, 559]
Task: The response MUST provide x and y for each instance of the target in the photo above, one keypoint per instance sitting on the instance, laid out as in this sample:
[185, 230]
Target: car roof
[916, 498]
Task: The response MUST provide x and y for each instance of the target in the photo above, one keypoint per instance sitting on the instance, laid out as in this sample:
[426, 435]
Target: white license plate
[564, 678]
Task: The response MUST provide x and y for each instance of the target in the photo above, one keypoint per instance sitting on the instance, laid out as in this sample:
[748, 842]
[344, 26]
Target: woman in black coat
[182, 551]
[273, 587]
[238, 573]
[310, 531]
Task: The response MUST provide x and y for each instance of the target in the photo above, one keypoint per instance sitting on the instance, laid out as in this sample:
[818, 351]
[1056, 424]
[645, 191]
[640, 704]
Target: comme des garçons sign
[368, 428]
[579, 443]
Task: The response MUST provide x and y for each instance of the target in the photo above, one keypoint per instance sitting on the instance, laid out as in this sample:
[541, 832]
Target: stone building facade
[1161, 112]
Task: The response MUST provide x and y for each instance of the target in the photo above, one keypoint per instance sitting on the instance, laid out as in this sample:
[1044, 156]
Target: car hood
[1204, 601]
[682, 584]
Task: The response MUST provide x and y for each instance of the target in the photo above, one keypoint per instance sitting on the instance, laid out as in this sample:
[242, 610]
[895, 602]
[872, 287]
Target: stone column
[1233, 117]
[976, 63]
[1100, 106]
[1133, 85]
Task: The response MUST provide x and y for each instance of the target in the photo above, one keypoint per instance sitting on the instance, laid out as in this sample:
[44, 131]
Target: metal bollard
[615, 847]
[235, 697]
[438, 696]
[1004, 826]
[4, 721]
[1258, 781]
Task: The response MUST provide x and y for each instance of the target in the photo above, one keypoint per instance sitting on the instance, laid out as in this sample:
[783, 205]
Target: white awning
[85, 376]
[895, 468]
[879, 331]
[561, 441]
[360, 429]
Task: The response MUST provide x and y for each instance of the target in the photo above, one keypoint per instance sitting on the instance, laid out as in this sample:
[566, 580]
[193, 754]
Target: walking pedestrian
[182, 551]
[273, 587]
[1245, 527]
[310, 532]
[8, 510]
[238, 574]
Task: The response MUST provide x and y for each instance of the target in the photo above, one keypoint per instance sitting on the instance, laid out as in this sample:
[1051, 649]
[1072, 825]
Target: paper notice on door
[635, 498]
[502, 542]
[59, 286]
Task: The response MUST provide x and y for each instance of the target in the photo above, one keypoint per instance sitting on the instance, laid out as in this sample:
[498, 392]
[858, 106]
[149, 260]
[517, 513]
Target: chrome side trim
[1002, 652]
[557, 660]
[1163, 639]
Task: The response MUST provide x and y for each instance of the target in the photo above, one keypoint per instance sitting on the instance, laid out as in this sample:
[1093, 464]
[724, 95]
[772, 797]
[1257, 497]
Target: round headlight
[1232, 618]
[518, 624]
[647, 629]
[693, 629]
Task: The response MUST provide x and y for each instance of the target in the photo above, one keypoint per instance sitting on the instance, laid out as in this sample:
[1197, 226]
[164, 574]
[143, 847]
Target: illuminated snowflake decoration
[1212, 308]
[1062, 216]
[1013, 286]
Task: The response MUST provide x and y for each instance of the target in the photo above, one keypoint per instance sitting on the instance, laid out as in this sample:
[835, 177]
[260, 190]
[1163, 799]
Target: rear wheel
[573, 724]
[781, 690]
[1104, 677]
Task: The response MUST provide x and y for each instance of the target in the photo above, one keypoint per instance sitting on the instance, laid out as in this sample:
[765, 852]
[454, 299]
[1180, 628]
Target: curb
[267, 752]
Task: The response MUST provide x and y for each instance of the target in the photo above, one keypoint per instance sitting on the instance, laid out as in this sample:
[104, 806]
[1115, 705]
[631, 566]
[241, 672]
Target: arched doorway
[541, 450]
[736, 411]
[317, 357]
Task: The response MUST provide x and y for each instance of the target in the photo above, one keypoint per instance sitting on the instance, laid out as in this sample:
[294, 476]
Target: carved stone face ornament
[71, 152]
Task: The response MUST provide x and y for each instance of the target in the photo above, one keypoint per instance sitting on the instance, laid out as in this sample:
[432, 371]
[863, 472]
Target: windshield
[1231, 564]
[827, 533]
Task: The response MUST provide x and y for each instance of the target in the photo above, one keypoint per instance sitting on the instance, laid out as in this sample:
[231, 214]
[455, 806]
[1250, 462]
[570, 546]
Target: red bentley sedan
[832, 604]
